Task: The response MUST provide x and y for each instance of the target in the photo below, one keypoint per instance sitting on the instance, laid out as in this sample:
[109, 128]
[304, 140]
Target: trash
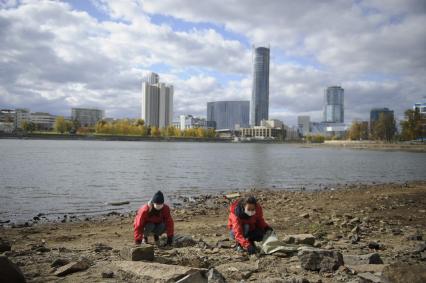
[271, 244]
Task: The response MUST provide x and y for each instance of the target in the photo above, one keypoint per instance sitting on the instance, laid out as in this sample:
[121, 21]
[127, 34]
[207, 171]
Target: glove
[138, 242]
[269, 228]
[251, 250]
[169, 241]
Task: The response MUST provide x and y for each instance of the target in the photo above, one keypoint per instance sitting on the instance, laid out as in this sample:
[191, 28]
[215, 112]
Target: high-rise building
[334, 105]
[304, 124]
[259, 104]
[376, 112]
[228, 114]
[87, 117]
[157, 102]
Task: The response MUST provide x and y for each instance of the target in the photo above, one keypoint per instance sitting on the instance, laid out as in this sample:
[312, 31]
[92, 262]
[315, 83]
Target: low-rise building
[87, 117]
[43, 121]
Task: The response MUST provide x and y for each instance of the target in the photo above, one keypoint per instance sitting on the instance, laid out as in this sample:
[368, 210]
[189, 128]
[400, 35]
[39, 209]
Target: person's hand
[251, 250]
[169, 241]
[138, 242]
[269, 228]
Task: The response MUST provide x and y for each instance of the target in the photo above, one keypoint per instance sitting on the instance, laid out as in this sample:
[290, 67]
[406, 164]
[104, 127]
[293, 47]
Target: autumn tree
[384, 128]
[413, 127]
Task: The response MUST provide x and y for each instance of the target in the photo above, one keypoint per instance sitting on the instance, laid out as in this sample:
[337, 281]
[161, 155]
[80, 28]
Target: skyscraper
[228, 114]
[333, 105]
[259, 104]
[157, 102]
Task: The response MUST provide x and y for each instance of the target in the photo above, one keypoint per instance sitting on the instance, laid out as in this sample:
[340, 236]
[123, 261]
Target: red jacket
[143, 217]
[236, 223]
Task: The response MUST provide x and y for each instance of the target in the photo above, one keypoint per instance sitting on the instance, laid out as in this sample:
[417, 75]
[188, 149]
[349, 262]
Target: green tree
[384, 129]
[413, 127]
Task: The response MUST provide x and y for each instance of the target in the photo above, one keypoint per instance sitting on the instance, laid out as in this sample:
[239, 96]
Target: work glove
[169, 241]
[251, 250]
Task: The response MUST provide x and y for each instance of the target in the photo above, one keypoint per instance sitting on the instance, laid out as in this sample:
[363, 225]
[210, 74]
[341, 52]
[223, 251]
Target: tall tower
[157, 102]
[259, 104]
[333, 105]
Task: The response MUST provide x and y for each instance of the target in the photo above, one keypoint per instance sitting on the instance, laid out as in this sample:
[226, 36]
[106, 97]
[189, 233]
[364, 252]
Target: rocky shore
[353, 233]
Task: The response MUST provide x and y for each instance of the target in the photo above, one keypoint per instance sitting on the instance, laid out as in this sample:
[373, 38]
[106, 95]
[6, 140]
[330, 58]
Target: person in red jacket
[153, 218]
[246, 223]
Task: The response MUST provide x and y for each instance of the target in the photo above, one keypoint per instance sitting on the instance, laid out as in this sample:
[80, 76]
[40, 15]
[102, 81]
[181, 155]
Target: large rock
[404, 272]
[369, 278]
[372, 258]
[320, 260]
[214, 276]
[137, 253]
[300, 239]
[372, 268]
[72, 267]
[10, 272]
[142, 271]
[4, 246]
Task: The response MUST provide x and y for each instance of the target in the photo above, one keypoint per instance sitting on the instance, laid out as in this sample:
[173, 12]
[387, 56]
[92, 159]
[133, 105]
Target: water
[81, 177]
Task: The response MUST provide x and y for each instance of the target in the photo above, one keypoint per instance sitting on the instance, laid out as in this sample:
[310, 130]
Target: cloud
[54, 57]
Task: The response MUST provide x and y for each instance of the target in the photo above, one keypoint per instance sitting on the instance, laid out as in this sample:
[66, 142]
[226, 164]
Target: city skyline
[94, 54]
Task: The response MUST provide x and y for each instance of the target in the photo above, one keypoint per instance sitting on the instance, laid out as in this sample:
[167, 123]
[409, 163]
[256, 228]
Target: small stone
[415, 237]
[375, 246]
[396, 231]
[300, 239]
[107, 274]
[5, 246]
[214, 276]
[355, 239]
[372, 258]
[304, 215]
[72, 267]
[404, 272]
[369, 278]
[59, 262]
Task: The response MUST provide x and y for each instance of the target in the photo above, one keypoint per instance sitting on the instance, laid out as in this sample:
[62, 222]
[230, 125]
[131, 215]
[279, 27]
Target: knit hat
[158, 198]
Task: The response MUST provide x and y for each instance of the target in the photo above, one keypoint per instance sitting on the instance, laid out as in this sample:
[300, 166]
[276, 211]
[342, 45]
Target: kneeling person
[246, 223]
[155, 219]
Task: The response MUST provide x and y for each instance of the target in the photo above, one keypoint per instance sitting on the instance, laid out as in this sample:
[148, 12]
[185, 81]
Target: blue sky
[203, 48]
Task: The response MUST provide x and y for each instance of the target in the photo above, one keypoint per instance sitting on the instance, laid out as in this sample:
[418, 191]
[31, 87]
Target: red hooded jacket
[236, 223]
[144, 216]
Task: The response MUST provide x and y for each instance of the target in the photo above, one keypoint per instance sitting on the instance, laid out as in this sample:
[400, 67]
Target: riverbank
[371, 145]
[354, 220]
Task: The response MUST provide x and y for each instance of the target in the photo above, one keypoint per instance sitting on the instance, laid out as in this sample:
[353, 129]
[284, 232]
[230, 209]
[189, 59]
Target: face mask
[249, 213]
[158, 206]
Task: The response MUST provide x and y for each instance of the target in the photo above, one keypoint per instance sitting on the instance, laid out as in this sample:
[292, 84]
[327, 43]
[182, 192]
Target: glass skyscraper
[228, 114]
[259, 108]
[333, 105]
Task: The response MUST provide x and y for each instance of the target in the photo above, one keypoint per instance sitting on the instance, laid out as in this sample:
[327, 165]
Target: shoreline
[385, 214]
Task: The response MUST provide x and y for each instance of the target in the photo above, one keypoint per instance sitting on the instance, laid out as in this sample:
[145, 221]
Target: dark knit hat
[158, 198]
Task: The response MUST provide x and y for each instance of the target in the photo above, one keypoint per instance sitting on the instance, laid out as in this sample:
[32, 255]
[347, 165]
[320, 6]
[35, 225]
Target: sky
[55, 55]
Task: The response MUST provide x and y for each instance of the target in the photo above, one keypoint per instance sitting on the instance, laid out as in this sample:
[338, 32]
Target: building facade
[191, 122]
[43, 121]
[334, 105]
[376, 112]
[228, 114]
[304, 125]
[157, 102]
[259, 104]
[22, 115]
[87, 117]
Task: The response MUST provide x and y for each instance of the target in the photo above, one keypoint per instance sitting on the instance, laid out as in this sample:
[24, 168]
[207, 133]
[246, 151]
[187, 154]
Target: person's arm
[170, 226]
[237, 228]
[261, 223]
[139, 223]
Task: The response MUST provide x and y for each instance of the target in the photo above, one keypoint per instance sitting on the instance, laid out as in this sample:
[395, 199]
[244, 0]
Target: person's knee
[149, 228]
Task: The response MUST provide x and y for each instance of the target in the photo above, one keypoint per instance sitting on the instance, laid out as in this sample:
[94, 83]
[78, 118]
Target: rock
[404, 272]
[369, 278]
[137, 253]
[181, 241]
[373, 258]
[415, 237]
[304, 215]
[300, 239]
[225, 244]
[10, 272]
[237, 270]
[372, 268]
[100, 247]
[5, 246]
[375, 246]
[420, 248]
[214, 276]
[142, 271]
[396, 231]
[355, 239]
[72, 267]
[319, 259]
[59, 262]
[107, 274]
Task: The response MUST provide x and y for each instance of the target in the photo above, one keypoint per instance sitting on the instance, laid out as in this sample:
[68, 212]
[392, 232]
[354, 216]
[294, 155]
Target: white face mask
[249, 213]
[158, 206]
